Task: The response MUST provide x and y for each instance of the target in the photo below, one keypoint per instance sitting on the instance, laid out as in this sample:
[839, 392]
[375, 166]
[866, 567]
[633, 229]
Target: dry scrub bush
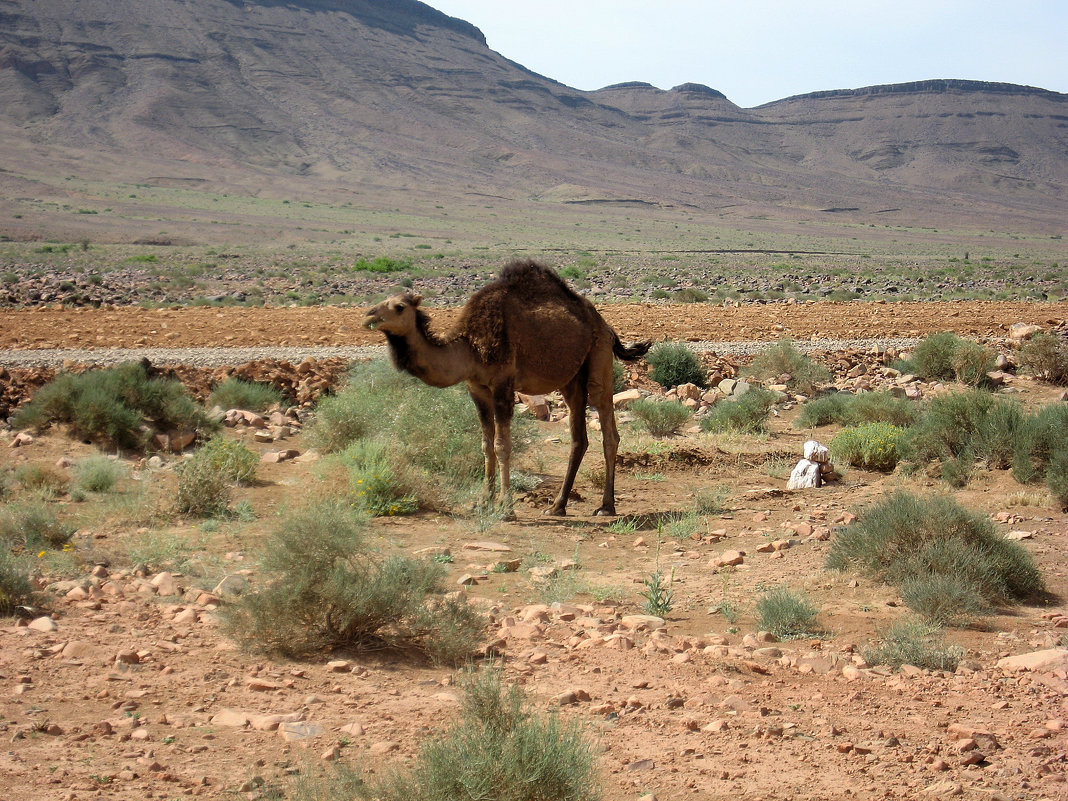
[205, 481]
[871, 446]
[499, 749]
[848, 409]
[98, 474]
[661, 418]
[234, 393]
[373, 483]
[32, 526]
[784, 363]
[950, 563]
[674, 363]
[787, 614]
[119, 406]
[325, 587]
[747, 414]
[16, 589]
[913, 642]
[1041, 450]
[962, 428]
[1046, 357]
[946, 356]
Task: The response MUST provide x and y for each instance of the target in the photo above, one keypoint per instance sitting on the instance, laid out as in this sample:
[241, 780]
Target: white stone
[806, 475]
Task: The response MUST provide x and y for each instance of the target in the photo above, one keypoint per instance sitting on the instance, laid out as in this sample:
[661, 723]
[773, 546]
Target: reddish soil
[136, 695]
[336, 326]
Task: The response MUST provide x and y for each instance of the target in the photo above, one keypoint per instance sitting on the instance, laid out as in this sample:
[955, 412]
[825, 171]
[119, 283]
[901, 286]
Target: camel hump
[534, 279]
[524, 305]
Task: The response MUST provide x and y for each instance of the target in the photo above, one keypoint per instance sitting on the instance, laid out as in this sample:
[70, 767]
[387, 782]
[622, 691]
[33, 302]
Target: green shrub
[119, 406]
[871, 446]
[1045, 356]
[32, 526]
[943, 600]
[203, 490]
[381, 264]
[945, 356]
[882, 407]
[933, 357]
[971, 363]
[364, 405]
[675, 363]
[914, 642]
[98, 474]
[786, 614]
[960, 428]
[847, 409]
[658, 595]
[825, 410]
[660, 417]
[690, 295]
[205, 480]
[748, 413]
[325, 587]
[712, 501]
[1042, 436]
[233, 393]
[229, 458]
[499, 749]
[16, 589]
[1057, 478]
[784, 363]
[373, 481]
[383, 404]
[934, 545]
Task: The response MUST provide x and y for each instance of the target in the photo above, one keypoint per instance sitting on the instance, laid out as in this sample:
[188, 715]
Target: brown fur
[525, 282]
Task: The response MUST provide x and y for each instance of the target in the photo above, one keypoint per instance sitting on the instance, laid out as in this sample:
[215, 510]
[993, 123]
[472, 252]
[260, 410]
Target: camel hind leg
[599, 389]
[575, 398]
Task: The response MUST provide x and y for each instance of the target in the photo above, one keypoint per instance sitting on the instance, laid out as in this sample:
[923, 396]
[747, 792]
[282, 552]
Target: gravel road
[220, 357]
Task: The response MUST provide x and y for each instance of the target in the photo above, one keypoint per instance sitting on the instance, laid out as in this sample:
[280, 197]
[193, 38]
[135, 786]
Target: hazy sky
[756, 51]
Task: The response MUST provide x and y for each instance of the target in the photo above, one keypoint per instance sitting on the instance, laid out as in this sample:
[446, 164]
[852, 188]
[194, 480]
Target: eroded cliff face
[397, 94]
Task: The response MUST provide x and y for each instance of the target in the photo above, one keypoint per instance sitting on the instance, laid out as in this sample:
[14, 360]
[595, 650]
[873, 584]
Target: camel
[526, 331]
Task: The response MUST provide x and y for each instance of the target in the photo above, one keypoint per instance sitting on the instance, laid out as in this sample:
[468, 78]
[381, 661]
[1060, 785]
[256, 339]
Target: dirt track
[337, 326]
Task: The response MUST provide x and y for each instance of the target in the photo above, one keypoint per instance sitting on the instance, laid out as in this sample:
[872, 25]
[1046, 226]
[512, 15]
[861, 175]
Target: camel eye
[397, 307]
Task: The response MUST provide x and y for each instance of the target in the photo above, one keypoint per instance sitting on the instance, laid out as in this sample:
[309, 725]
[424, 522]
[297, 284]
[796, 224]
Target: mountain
[255, 94]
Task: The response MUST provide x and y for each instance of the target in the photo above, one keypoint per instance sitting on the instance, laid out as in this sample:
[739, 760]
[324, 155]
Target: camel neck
[437, 364]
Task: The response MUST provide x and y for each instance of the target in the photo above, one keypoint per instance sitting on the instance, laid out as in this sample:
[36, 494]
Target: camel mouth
[371, 321]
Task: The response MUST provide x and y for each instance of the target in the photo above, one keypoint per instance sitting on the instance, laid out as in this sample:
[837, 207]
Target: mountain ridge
[400, 95]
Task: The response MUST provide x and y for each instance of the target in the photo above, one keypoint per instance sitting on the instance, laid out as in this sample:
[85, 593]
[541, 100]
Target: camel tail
[632, 352]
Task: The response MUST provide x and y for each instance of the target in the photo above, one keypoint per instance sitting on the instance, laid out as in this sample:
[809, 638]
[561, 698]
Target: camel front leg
[484, 404]
[575, 398]
[503, 410]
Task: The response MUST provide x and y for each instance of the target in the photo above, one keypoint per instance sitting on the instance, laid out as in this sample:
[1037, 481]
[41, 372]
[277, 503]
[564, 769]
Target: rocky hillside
[364, 94]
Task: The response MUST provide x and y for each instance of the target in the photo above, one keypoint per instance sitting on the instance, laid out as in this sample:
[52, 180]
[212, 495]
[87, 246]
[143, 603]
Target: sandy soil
[136, 695]
[335, 326]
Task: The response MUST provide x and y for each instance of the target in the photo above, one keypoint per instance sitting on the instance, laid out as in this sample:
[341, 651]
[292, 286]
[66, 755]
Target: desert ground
[124, 687]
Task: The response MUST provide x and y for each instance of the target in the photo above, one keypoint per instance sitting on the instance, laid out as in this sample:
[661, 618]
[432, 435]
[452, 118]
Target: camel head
[395, 315]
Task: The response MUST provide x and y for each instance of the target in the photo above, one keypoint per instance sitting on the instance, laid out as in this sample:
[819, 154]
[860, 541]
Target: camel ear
[415, 300]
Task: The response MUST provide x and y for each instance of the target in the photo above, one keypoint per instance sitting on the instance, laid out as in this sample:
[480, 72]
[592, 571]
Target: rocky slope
[357, 95]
